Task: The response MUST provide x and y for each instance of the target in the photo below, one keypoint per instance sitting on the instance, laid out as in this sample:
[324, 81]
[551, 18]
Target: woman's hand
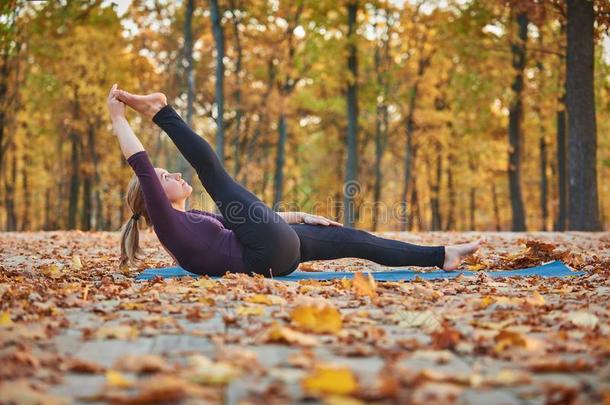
[318, 220]
[116, 108]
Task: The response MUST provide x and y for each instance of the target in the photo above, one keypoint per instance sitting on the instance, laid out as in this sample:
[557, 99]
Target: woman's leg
[269, 242]
[332, 242]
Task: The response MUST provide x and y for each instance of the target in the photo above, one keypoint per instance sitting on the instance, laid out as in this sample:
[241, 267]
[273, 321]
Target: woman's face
[176, 189]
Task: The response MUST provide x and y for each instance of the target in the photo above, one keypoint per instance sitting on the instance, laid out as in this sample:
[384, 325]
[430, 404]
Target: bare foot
[455, 253]
[147, 105]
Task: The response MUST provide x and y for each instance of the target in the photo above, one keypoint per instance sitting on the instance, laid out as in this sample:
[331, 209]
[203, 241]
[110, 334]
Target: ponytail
[130, 242]
[130, 232]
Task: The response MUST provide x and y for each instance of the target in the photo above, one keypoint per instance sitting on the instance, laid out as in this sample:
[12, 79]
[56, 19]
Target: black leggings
[272, 247]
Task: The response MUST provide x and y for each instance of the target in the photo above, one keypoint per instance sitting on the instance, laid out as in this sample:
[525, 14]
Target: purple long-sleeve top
[198, 240]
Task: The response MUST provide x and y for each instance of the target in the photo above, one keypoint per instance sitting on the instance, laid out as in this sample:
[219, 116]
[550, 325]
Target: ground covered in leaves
[74, 328]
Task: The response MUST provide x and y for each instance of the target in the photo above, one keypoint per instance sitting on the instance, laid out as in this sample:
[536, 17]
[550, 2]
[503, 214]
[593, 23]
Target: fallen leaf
[5, 318]
[330, 379]
[265, 299]
[117, 379]
[77, 365]
[205, 371]
[282, 334]
[583, 319]
[76, 263]
[22, 392]
[250, 310]
[122, 332]
[316, 318]
[364, 286]
[507, 339]
[145, 363]
[446, 337]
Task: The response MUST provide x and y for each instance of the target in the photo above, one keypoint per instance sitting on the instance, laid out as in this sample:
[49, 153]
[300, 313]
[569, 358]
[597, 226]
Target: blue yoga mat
[552, 269]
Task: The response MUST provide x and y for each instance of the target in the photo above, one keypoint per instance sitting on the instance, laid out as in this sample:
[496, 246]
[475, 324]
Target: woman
[248, 237]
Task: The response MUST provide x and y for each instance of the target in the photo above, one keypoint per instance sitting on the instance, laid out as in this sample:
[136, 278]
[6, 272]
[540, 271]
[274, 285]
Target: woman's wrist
[118, 119]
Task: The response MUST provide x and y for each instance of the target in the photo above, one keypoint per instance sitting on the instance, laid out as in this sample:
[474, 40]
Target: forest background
[387, 115]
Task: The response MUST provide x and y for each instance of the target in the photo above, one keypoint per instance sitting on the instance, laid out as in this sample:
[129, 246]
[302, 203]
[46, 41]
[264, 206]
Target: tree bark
[279, 161]
[435, 190]
[515, 128]
[183, 166]
[496, 206]
[239, 112]
[562, 172]
[583, 205]
[9, 189]
[219, 40]
[74, 180]
[351, 187]
[382, 118]
[450, 224]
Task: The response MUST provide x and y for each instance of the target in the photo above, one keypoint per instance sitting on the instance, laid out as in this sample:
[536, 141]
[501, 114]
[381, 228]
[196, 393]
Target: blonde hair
[130, 233]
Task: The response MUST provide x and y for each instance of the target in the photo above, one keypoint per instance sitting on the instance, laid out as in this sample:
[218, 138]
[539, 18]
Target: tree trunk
[496, 206]
[239, 112]
[47, 210]
[410, 145]
[351, 187]
[26, 222]
[450, 224]
[514, 127]
[183, 166]
[473, 208]
[544, 181]
[220, 72]
[86, 211]
[10, 10]
[562, 172]
[583, 205]
[382, 120]
[544, 184]
[279, 162]
[9, 189]
[74, 180]
[97, 219]
[435, 190]
[415, 220]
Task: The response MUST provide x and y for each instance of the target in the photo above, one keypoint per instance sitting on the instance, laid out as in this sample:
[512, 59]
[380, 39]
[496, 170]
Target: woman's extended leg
[330, 242]
[269, 242]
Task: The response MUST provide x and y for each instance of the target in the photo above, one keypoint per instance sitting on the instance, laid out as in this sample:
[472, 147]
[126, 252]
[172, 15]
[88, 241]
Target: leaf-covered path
[73, 328]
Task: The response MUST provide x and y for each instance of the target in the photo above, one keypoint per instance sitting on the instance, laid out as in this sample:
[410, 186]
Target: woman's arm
[303, 217]
[130, 144]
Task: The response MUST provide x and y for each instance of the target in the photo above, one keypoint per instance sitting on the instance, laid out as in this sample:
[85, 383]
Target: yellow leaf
[117, 379]
[536, 299]
[329, 379]
[206, 371]
[76, 263]
[5, 318]
[364, 285]
[203, 282]
[52, 271]
[282, 334]
[317, 319]
[508, 339]
[265, 299]
[244, 310]
[342, 400]
[486, 301]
